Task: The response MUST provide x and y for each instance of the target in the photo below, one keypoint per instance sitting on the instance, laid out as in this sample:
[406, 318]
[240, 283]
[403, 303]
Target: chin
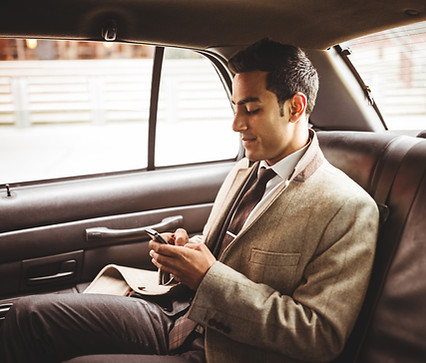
[253, 158]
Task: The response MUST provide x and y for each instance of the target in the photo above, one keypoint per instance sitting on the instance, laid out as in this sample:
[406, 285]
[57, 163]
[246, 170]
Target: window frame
[224, 76]
[347, 51]
[344, 53]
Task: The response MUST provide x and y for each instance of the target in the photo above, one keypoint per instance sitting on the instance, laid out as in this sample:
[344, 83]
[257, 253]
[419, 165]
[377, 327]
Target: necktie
[184, 326]
[247, 204]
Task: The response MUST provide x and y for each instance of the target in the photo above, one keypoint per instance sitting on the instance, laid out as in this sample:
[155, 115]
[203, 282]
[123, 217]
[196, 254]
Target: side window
[72, 108]
[194, 112]
[69, 109]
[393, 64]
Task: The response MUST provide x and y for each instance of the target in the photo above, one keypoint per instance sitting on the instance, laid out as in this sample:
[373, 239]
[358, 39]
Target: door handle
[49, 278]
[63, 268]
[64, 271]
[4, 308]
[131, 234]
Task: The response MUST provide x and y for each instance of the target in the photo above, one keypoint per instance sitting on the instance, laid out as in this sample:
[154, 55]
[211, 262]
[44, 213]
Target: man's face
[266, 135]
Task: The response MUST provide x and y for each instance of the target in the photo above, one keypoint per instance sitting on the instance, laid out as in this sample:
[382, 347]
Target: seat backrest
[392, 169]
[422, 134]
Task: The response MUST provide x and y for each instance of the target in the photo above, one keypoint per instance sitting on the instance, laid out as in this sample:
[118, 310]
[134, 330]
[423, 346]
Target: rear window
[393, 64]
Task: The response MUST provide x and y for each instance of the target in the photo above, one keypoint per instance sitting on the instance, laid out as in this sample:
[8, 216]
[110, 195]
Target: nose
[239, 124]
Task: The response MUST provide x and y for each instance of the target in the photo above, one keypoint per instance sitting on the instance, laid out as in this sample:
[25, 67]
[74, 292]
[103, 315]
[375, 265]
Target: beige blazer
[290, 286]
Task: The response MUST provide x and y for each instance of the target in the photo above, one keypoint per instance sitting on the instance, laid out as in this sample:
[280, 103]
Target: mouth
[247, 140]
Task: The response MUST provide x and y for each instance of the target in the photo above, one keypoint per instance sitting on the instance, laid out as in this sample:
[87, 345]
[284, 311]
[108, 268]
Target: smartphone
[155, 235]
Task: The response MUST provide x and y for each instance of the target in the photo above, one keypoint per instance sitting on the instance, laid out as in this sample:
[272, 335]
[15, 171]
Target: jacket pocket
[276, 269]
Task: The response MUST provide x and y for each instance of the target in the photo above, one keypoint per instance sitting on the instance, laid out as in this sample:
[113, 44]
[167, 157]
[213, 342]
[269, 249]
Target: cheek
[275, 137]
[269, 130]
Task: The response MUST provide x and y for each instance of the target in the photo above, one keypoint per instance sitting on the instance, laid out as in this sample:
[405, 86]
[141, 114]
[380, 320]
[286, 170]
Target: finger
[162, 249]
[194, 246]
[159, 261]
[171, 259]
[161, 267]
[181, 237]
[154, 261]
[169, 237]
[201, 247]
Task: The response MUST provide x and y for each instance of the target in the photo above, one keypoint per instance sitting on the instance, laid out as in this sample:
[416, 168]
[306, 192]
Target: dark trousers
[59, 327]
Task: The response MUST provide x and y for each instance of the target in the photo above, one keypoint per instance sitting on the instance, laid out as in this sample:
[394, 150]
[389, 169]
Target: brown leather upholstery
[393, 170]
[422, 134]
[391, 326]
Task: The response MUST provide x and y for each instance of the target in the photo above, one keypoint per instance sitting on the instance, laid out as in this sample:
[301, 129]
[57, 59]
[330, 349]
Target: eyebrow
[247, 100]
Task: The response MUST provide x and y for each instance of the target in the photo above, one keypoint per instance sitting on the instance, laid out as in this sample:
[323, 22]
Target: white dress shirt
[283, 168]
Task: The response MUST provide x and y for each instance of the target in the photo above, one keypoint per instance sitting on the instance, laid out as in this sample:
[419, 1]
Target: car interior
[56, 233]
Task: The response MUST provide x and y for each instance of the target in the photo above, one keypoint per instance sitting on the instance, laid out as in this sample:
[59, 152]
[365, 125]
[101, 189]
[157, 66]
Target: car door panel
[50, 232]
[44, 204]
[64, 268]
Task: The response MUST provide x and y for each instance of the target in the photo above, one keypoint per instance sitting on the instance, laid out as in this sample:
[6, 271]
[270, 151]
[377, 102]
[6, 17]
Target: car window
[195, 114]
[77, 108]
[393, 64]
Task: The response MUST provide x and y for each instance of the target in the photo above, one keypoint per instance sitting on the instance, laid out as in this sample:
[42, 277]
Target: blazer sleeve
[315, 321]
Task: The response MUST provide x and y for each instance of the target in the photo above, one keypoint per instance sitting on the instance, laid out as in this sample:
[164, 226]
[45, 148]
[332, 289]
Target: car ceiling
[203, 24]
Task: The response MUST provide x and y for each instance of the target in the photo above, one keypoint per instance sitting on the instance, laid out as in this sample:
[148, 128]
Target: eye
[252, 112]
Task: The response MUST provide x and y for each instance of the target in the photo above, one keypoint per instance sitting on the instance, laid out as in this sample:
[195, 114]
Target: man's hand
[188, 262]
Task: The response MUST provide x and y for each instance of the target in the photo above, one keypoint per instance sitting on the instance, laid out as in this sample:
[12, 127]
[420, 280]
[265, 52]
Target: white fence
[99, 91]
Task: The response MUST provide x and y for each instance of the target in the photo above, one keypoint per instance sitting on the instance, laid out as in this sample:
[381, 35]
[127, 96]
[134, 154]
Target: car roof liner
[209, 23]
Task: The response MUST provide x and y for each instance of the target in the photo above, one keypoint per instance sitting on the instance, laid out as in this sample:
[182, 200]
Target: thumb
[181, 237]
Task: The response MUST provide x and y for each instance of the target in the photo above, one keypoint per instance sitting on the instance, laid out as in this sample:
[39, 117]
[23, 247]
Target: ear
[297, 106]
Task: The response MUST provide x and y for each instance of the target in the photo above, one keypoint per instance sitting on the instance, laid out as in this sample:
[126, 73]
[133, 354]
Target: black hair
[289, 69]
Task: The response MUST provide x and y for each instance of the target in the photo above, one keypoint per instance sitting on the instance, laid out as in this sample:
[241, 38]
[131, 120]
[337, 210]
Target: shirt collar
[285, 167]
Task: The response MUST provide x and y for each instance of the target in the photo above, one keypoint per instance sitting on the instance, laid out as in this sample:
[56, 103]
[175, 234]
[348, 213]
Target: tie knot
[265, 175]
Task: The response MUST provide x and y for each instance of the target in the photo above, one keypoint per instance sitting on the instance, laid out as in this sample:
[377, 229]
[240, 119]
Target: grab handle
[107, 234]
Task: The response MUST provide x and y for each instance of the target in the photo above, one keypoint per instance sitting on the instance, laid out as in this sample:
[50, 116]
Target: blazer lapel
[265, 206]
[236, 186]
[308, 164]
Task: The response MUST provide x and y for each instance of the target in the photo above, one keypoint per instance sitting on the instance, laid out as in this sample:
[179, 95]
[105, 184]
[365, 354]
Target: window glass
[393, 64]
[72, 108]
[195, 114]
[78, 108]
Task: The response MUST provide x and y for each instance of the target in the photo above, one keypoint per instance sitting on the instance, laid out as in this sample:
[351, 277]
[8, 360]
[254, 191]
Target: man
[279, 275]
